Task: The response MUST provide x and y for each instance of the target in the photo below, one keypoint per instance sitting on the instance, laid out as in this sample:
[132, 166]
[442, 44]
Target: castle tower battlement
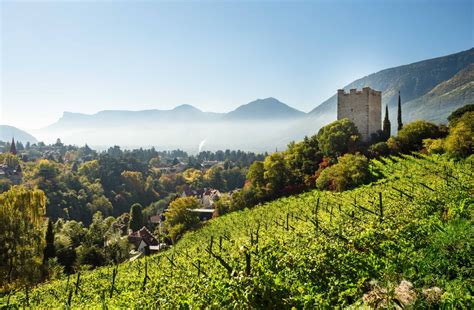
[363, 108]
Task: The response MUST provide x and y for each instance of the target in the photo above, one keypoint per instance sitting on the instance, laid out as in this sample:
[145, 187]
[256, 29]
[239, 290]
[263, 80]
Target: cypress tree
[386, 125]
[49, 250]
[399, 118]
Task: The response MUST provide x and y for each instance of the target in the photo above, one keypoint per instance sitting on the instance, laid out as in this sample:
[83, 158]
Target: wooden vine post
[112, 287]
[77, 283]
[146, 277]
[247, 263]
[69, 299]
[381, 207]
[316, 223]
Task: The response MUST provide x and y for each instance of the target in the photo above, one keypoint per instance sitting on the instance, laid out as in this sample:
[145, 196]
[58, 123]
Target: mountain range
[430, 90]
[260, 109]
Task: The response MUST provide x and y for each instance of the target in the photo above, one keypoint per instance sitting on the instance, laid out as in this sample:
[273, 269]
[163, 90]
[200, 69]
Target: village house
[211, 163]
[145, 242]
[206, 196]
[179, 167]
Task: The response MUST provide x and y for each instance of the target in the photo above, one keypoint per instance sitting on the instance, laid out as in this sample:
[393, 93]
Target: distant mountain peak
[269, 100]
[9, 132]
[267, 108]
[186, 107]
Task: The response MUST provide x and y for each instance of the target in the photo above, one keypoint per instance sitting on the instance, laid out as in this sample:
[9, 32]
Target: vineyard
[315, 249]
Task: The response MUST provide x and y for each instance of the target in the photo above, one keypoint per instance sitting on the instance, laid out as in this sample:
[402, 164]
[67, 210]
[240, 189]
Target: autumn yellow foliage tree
[21, 236]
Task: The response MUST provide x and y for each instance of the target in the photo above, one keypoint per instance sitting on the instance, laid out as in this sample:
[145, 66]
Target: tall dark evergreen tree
[49, 250]
[399, 117]
[386, 125]
[136, 217]
[13, 147]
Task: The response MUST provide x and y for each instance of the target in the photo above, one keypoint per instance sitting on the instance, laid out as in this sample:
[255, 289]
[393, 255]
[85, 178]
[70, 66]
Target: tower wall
[363, 108]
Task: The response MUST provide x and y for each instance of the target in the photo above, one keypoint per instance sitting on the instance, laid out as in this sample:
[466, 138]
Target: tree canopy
[179, 218]
[21, 236]
[338, 137]
[136, 217]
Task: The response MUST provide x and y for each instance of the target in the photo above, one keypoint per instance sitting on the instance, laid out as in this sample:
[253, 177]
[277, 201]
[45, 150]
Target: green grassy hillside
[317, 248]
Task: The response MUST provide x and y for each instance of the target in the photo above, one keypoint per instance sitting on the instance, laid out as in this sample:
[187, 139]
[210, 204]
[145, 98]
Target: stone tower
[363, 108]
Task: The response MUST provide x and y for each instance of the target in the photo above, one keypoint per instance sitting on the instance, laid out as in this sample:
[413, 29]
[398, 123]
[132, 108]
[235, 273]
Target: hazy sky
[86, 56]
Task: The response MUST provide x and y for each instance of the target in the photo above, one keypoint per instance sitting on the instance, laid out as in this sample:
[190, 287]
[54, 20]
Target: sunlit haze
[89, 56]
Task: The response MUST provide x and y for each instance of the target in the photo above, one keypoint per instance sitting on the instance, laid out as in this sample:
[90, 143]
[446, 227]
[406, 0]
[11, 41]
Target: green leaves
[425, 237]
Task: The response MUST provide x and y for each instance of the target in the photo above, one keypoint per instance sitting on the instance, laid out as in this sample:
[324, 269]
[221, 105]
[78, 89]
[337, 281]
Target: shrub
[459, 141]
[433, 146]
[91, 255]
[393, 145]
[350, 171]
[378, 150]
[411, 137]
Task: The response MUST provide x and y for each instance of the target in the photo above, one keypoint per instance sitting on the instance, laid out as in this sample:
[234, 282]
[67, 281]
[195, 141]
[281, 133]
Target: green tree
[100, 203]
[49, 250]
[97, 231]
[74, 231]
[411, 136]
[48, 170]
[386, 128]
[179, 218]
[434, 146]
[455, 115]
[134, 182]
[234, 178]
[21, 236]
[65, 252]
[378, 149]
[193, 177]
[351, 170]
[12, 161]
[213, 178]
[276, 173]
[255, 174]
[459, 141]
[91, 255]
[338, 137]
[90, 170]
[302, 160]
[136, 217]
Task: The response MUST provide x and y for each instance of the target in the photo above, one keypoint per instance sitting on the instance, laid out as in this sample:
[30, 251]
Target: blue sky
[87, 56]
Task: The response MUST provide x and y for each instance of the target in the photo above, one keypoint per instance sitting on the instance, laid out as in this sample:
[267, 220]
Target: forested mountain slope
[314, 249]
[412, 80]
[444, 98]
